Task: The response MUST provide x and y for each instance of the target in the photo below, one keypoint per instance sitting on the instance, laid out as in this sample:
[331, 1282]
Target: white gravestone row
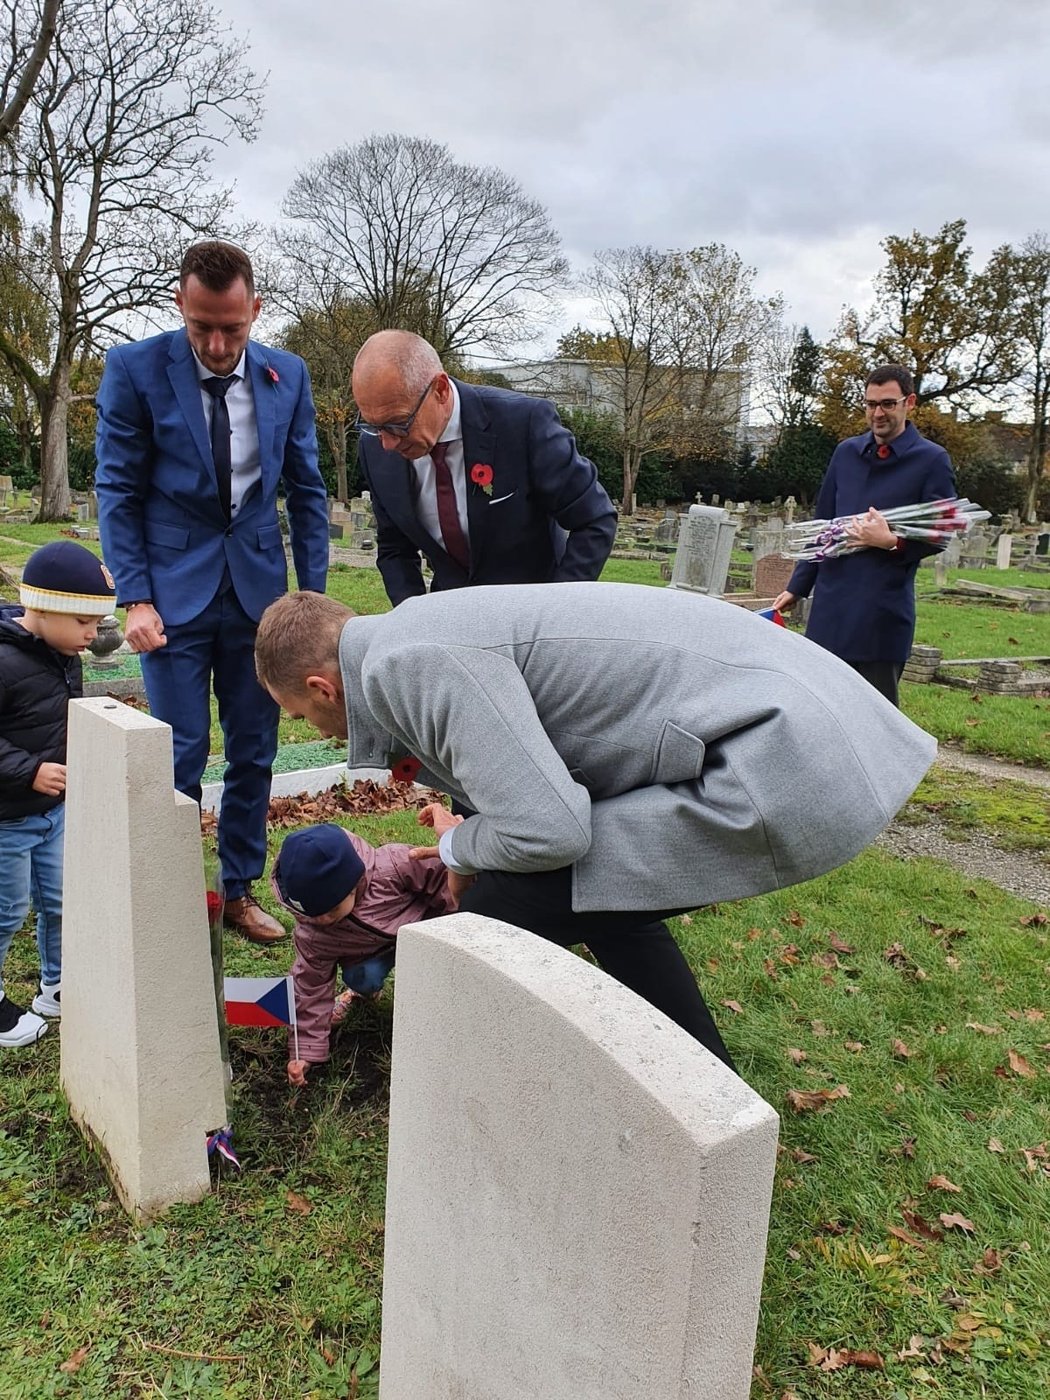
[578, 1192]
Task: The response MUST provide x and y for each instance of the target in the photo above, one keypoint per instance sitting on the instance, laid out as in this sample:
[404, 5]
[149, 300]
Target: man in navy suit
[487, 484]
[196, 429]
[864, 603]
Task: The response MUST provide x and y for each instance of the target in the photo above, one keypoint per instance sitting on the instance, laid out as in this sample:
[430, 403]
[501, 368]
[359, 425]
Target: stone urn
[108, 640]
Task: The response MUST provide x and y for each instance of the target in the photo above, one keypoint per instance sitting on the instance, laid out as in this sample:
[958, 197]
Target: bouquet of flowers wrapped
[935, 521]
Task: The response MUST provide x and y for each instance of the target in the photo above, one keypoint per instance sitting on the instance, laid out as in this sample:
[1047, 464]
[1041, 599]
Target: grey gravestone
[705, 542]
[768, 538]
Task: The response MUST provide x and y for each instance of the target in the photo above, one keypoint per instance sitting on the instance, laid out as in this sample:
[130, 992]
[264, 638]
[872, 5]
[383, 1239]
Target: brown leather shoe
[251, 921]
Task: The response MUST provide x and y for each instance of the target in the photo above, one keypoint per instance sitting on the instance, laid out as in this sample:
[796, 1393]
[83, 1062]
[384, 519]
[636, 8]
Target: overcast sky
[798, 132]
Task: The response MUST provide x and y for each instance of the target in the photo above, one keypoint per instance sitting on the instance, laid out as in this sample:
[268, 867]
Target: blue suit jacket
[864, 603]
[164, 533]
[547, 518]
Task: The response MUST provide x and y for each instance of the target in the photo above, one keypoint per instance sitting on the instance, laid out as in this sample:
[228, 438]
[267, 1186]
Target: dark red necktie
[448, 516]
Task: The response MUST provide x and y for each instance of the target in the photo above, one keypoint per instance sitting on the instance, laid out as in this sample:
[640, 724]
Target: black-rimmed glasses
[397, 430]
[887, 405]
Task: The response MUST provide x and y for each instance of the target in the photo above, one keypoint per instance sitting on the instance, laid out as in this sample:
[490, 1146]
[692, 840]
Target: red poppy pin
[882, 451]
[481, 475]
[275, 378]
[405, 769]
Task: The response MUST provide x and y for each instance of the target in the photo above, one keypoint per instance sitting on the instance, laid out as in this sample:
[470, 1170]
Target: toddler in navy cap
[349, 900]
[64, 591]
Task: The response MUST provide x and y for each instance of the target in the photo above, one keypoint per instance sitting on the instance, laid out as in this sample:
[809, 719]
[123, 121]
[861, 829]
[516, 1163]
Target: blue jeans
[367, 978]
[31, 862]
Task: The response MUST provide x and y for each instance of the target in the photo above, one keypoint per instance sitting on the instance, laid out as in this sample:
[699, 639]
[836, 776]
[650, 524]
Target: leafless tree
[28, 41]
[457, 253]
[1027, 271]
[115, 145]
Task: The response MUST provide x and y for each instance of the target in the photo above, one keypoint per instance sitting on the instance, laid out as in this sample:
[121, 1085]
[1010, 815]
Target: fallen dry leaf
[803, 1100]
[834, 1358]
[797, 1056]
[990, 1262]
[916, 1223]
[899, 1234]
[854, 1046]
[734, 1006]
[994, 1145]
[941, 1183]
[819, 1028]
[838, 945]
[796, 919]
[1020, 1065]
[1032, 920]
[825, 959]
[901, 1051]
[955, 1221]
[803, 1157]
[984, 1030]
[74, 1361]
[914, 1348]
[298, 1203]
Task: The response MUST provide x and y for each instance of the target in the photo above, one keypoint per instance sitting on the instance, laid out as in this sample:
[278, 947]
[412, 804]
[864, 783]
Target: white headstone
[578, 1192]
[140, 1061]
[1002, 551]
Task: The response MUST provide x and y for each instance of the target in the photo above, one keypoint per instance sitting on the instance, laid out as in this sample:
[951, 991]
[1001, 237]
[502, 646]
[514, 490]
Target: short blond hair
[298, 636]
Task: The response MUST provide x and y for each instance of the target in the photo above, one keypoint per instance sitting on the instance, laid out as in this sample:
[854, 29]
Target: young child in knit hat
[65, 590]
[349, 900]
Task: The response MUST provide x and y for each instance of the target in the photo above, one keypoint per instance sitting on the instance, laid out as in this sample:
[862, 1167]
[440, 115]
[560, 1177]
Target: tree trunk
[342, 489]
[630, 476]
[54, 447]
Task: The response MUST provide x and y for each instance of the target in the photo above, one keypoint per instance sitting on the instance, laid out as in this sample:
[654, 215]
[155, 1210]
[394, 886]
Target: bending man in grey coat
[629, 753]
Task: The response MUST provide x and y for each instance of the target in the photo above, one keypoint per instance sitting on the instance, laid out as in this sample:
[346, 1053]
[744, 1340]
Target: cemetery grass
[1014, 727]
[867, 978]
[1015, 815]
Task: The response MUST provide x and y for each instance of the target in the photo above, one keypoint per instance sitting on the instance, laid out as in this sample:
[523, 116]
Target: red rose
[405, 770]
[214, 903]
[481, 474]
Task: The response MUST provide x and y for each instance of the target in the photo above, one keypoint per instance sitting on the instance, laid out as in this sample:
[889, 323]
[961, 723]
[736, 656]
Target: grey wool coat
[673, 749]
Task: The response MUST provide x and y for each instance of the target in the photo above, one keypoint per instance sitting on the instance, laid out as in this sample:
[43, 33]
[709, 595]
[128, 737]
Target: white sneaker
[48, 1002]
[18, 1027]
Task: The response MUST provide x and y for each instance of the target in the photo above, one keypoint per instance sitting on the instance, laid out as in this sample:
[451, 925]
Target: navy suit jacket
[164, 533]
[546, 519]
[864, 603]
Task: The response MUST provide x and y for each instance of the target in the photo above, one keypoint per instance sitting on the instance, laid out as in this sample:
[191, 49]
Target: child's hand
[439, 817]
[297, 1073]
[50, 779]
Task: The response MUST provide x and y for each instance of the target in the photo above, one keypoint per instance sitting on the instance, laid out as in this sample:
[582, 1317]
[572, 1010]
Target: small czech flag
[774, 615]
[259, 1001]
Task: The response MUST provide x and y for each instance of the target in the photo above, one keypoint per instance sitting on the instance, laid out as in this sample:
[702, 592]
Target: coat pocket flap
[679, 755]
[269, 537]
[170, 536]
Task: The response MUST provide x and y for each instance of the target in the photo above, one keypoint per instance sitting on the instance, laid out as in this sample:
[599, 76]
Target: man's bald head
[395, 355]
[398, 378]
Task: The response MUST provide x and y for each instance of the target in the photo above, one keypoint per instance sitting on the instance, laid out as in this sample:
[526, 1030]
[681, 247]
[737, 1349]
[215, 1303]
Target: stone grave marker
[1003, 548]
[140, 1059]
[772, 573]
[578, 1192]
[768, 537]
[705, 542]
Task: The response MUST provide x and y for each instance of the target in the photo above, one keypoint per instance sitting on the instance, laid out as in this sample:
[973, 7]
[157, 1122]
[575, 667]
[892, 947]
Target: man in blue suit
[864, 603]
[196, 430]
[487, 484]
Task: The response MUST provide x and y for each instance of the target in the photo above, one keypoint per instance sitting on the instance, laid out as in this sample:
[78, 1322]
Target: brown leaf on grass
[990, 1262]
[805, 1100]
[854, 1046]
[994, 1145]
[831, 1227]
[686, 918]
[913, 1349]
[803, 1157]
[941, 1183]
[898, 957]
[789, 955]
[796, 920]
[74, 1361]
[901, 1051]
[954, 1221]
[734, 1006]
[818, 1028]
[837, 943]
[899, 1234]
[835, 1358]
[907, 1147]
[825, 960]
[797, 1056]
[953, 1300]
[984, 1030]
[299, 1204]
[1031, 920]
[915, 1222]
[1033, 1014]
[1037, 1158]
[1020, 1065]
[759, 1376]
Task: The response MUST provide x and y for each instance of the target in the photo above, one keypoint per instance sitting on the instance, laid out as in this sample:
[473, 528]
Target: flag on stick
[261, 1001]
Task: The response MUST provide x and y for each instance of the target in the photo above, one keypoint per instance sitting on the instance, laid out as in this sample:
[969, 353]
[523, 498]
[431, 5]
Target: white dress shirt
[244, 431]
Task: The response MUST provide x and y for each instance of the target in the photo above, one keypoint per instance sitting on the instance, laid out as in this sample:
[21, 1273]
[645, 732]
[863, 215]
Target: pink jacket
[397, 890]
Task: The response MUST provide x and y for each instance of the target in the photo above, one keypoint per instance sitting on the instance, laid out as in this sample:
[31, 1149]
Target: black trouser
[883, 675]
[636, 947]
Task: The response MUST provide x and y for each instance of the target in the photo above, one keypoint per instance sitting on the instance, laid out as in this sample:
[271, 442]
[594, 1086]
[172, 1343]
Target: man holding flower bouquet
[864, 601]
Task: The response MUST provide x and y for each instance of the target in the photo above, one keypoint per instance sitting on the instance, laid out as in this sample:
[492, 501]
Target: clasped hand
[442, 820]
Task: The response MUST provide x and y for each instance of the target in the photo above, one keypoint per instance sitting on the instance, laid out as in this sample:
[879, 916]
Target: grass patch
[1014, 727]
[1016, 815]
[964, 630]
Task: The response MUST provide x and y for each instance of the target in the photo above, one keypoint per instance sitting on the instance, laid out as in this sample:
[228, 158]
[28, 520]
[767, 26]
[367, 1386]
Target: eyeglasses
[887, 405]
[397, 430]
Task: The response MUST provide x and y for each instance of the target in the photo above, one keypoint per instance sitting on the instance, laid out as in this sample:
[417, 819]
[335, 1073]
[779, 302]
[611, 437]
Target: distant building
[598, 388]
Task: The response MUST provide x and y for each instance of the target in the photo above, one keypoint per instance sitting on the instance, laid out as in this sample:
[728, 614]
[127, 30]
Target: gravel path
[1020, 872]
